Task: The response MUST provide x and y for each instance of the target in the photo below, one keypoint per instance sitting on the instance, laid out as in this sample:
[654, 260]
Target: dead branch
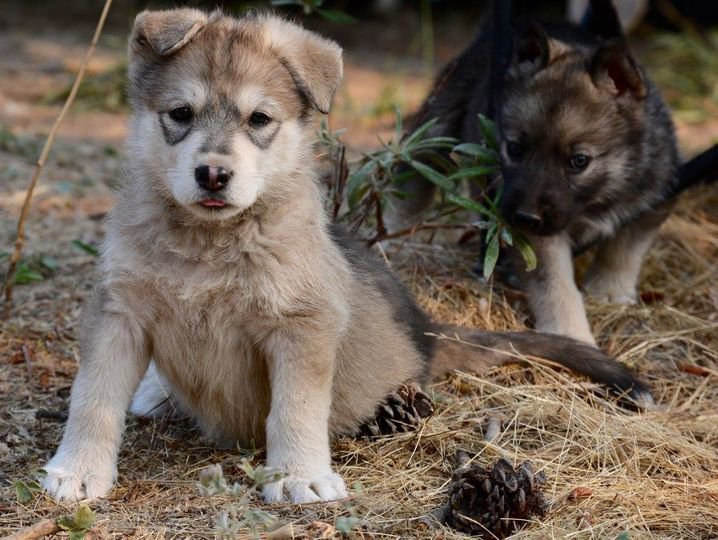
[408, 231]
[341, 173]
[40, 165]
[40, 529]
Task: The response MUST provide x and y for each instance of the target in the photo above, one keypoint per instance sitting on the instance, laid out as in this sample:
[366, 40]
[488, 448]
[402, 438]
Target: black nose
[527, 219]
[212, 178]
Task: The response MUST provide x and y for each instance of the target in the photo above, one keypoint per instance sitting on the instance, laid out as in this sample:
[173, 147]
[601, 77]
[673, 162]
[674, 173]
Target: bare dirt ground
[647, 475]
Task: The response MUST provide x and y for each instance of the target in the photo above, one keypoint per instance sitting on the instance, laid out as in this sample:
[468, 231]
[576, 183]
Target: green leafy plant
[315, 6]
[359, 193]
[77, 524]
[239, 515]
[33, 268]
[26, 491]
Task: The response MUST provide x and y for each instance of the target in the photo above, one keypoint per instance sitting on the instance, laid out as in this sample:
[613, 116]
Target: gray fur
[568, 92]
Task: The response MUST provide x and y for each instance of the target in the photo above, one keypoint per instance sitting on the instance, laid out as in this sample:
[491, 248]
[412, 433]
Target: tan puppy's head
[224, 107]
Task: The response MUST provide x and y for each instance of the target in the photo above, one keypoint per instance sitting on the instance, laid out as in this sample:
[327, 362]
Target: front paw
[299, 488]
[608, 289]
[74, 479]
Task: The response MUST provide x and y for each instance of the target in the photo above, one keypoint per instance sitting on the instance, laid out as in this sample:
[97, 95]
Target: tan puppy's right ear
[166, 32]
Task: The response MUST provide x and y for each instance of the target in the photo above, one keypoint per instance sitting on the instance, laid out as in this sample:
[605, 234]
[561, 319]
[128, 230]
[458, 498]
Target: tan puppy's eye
[181, 115]
[259, 119]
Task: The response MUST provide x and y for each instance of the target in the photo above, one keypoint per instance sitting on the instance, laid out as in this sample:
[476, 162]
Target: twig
[341, 173]
[407, 231]
[40, 529]
[28, 361]
[40, 165]
[381, 231]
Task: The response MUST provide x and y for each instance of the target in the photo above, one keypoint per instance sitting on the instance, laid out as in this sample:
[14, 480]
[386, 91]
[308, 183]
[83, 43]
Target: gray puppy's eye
[514, 149]
[578, 162]
[259, 119]
[181, 115]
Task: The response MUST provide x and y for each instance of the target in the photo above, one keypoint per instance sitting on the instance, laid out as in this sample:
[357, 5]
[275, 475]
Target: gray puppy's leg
[613, 274]
[553, 295]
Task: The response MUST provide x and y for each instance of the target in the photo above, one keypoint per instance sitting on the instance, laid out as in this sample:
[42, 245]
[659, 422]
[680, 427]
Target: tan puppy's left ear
[314, 62]
[166, 31]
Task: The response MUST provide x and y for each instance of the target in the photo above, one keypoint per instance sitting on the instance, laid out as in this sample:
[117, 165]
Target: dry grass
[653, 474]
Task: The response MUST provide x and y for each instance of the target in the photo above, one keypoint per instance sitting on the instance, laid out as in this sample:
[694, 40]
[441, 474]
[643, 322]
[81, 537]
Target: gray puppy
[588, 157]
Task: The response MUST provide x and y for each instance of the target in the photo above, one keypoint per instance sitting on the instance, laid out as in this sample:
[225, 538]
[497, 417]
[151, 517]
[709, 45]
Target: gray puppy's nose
[527, 219]
[212, 178]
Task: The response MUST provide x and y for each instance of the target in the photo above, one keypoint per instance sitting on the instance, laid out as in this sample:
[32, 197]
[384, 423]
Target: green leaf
[488, 132]
[346, 524]
[481, 153]
[472, 171]
[420, 132]
[23, 493]
[527, 251]
[78, 523]
[506, 236]
[469, 149]
[87, 248]
[491, 256]
[50, 263]
[84, 518]
[432, 175]
[357, 185]
[336, 16]
[468, 204]
[24, 275]
[624, 536]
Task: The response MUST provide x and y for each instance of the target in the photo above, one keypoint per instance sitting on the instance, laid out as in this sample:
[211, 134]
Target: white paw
[305, 488]
[75, 480]
[610, 290]
[152, 398]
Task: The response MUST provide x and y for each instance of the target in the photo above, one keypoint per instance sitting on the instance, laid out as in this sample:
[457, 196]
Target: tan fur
[255, 322]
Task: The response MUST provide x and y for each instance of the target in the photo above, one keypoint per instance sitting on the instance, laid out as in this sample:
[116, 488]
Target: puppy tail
[702, 168]
[469, 350]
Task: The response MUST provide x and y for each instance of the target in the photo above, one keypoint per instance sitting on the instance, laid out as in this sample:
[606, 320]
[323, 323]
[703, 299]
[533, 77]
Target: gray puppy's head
[571, 122]
[223, 108]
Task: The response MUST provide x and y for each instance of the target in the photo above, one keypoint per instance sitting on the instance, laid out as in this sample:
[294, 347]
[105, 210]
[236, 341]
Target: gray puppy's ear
[533, 50]
[613, 70]
[314, 62]
[166, 32]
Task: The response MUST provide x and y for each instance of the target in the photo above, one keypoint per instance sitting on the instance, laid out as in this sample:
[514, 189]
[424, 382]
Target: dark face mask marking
[173, 132]
[263, 136]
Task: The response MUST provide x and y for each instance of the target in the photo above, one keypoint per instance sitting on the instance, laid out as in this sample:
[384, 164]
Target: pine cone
[401, 411]
[494, 502]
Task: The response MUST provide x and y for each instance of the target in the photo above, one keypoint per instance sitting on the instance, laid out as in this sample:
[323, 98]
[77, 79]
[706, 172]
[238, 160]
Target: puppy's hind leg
[613, 274]
[152, 399]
